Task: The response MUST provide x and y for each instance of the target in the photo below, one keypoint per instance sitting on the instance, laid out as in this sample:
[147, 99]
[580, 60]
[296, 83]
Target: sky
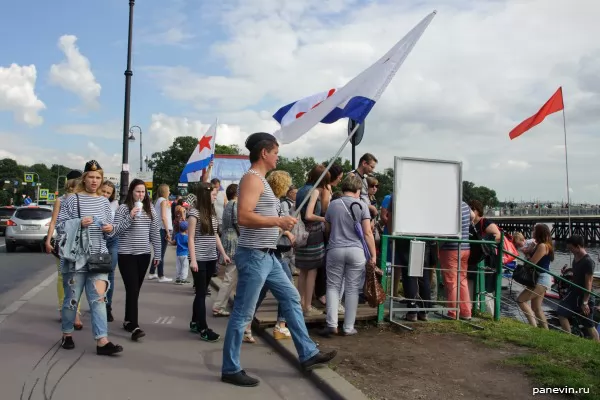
[478, 70]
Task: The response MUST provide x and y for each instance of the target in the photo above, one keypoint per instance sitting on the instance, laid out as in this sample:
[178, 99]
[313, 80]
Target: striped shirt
[136, 234]
[268, 206]
[205, 246]
[91, 206]
[465, 223]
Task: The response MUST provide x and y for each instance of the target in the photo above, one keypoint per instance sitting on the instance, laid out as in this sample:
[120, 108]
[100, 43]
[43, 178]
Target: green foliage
[484, 194]
[11, 171]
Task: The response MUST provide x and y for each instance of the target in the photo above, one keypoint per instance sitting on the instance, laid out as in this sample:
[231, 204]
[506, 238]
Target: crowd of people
[261, 232]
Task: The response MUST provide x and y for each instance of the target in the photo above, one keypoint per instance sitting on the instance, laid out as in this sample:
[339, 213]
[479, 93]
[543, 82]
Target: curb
[327, 380]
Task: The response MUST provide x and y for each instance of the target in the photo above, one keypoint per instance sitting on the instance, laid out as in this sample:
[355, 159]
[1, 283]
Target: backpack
[563, 288]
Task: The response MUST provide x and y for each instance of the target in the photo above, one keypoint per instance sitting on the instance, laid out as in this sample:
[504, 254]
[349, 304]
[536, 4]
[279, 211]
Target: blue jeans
[163, 248]
[255, 268]
[74, 283]
[265, 289]
[113, 249]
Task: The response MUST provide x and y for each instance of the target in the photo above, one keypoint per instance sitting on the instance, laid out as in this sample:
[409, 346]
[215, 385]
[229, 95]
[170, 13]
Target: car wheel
[10, 247]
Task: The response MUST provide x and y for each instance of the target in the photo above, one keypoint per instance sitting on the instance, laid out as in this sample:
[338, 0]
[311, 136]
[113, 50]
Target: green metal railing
[480, 279]
[385, 239]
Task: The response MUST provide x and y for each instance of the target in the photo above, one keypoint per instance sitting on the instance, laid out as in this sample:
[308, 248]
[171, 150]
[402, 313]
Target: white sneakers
[162, 279]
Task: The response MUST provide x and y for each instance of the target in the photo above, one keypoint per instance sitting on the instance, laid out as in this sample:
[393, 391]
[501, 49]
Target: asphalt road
[21, 271]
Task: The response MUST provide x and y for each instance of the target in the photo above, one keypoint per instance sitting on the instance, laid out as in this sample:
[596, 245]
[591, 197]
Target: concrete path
[169, 363]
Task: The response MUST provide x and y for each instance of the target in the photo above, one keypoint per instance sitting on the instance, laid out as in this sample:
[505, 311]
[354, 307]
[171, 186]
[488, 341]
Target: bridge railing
[524, 212]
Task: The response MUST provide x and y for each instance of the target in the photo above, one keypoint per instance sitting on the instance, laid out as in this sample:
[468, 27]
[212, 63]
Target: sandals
[220, 313]
[248, 338]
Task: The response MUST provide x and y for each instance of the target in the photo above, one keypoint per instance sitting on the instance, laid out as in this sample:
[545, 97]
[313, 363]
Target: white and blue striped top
[268, 206]
[136, 234]
[91, 206]
[205, 246]
[465, 223]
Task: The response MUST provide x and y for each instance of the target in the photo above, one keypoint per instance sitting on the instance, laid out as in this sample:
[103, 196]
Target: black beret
[258, 137]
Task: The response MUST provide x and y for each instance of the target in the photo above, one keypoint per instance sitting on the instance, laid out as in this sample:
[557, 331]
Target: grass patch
[554, 359]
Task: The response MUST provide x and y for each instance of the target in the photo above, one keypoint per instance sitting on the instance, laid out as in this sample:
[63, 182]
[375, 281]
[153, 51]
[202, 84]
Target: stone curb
[326, 379]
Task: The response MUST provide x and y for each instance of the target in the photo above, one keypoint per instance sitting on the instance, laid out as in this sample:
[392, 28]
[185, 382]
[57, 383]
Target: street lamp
[58, 178]
[132, 138]
[128, 74]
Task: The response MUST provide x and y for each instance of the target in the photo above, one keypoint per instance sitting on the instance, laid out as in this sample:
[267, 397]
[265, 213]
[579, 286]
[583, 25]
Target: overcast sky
[479, 69]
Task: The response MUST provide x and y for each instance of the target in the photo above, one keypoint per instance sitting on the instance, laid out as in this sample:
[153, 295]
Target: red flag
[553, 105]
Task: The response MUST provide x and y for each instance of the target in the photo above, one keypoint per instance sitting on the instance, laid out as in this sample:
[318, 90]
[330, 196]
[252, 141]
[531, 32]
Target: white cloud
[74, 74]
[169, 27]
[478, 70]
[17, 94]
[109, 130]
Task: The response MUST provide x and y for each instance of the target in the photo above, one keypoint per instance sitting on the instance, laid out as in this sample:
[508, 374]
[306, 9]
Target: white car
[27, 227]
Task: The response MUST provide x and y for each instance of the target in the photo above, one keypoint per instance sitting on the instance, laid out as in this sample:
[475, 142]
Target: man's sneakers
[152, 277]
[164, 279]
[240, 379]
[318, 359]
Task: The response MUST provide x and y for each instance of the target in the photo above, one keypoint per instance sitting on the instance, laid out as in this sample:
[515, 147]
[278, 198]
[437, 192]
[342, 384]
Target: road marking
[16, 305]
[165, 320]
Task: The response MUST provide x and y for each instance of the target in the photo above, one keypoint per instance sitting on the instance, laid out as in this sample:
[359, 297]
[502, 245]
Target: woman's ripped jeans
[96, 287]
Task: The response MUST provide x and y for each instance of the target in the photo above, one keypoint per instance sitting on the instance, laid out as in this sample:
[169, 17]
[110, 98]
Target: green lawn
[555, 360]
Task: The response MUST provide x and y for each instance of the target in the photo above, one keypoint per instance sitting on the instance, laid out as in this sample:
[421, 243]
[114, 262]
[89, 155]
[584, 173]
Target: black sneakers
[318, 359]
[67, 343]
[137, 334]
[240, 379]
[209, 336]
[108, 349]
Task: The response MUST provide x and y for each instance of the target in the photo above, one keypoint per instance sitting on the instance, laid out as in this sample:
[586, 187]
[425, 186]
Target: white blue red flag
[355, 100]
[201, 157]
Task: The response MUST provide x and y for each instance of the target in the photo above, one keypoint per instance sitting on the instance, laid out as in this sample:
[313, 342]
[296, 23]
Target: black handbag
[97, 263]
[526, 275]
[284, 244]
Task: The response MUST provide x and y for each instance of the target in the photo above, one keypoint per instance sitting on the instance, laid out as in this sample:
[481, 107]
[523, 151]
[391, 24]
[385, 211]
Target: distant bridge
[585, 224]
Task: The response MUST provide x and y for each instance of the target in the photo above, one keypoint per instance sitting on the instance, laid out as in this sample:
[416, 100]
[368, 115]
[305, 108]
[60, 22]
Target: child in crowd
[527, 246]
[181, 241]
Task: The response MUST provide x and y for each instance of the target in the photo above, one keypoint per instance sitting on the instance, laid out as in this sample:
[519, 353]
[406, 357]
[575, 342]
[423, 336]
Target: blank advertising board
[427, 197]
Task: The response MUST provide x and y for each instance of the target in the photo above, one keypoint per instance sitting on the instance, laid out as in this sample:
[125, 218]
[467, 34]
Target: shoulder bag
[100, 263]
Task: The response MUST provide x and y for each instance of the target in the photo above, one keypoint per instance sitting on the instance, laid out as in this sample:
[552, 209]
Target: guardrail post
[383, 266]
[480, 287]
[498, 294]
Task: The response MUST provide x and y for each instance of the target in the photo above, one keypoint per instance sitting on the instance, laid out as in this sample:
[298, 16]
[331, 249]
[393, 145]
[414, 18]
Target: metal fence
[542, 212]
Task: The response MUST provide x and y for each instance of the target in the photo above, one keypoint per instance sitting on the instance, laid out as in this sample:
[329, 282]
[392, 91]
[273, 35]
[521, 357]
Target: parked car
[27, 227]
[5, 213]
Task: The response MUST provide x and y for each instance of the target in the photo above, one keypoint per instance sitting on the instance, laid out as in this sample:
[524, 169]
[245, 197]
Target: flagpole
[316, 184]
[567, 169]
[215, 149]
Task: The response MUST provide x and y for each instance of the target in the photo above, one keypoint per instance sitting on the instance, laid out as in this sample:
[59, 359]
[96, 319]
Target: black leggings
[201, 282]
[133, 271]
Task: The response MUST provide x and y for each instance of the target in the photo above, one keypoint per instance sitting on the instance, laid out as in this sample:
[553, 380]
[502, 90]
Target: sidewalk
[169, 363]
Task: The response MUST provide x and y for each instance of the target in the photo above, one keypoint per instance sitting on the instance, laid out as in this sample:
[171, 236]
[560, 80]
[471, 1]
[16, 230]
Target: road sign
[44, 194]
[150, 193]
[51, 197]
[146, 177]
[28, 178]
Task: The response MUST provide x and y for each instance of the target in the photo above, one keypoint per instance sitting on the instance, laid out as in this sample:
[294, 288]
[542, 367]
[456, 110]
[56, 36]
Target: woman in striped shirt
[203, 243]
[93, 212]
[137, 226]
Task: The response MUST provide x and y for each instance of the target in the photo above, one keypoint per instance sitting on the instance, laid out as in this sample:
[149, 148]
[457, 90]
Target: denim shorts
[544, 279]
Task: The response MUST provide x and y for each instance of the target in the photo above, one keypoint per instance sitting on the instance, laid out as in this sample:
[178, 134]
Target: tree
[11, 172]
[168, 164]
[484, 194]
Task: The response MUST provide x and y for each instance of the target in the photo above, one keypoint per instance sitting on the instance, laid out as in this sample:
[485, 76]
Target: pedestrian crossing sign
[44, 194]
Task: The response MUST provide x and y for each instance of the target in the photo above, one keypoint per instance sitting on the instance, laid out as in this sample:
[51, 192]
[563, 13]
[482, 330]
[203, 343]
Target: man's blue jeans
[265, 289]
[163, 248]
[255, 269]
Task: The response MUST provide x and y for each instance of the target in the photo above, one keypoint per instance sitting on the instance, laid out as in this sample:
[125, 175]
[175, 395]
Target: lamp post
[132, 138]
[58, 178]
[128, 74]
